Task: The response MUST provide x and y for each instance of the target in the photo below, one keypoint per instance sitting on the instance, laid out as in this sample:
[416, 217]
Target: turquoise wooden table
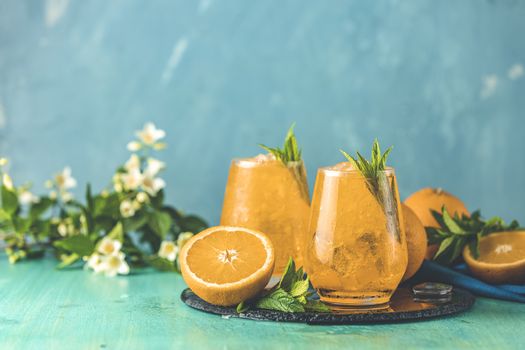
[42, 308]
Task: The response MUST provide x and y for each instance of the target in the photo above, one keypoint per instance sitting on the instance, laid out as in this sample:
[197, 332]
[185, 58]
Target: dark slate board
[403, 308]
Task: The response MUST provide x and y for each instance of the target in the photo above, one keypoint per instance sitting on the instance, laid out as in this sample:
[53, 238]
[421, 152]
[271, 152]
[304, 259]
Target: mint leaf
[299, 288]
[288, 278]
[316, 306]
[280, 300]
[289, 295]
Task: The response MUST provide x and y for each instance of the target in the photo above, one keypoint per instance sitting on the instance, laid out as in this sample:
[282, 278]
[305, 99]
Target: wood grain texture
[42, 308]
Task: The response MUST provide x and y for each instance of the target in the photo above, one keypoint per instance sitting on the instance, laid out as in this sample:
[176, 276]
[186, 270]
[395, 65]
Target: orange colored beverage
[356, 255]
[264, 194]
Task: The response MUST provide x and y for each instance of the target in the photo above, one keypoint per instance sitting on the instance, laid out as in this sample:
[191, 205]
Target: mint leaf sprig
[455, 232]
[291, 294]
[290, 151]
[373, 170]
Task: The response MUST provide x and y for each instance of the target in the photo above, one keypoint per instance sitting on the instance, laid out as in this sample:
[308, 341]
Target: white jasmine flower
[8, 183]
[117, 187]
[94, 262]
[66, 196]
[149, 135]
[132, 179]
[154, 166]
[3, 161]
[134, 146]
[152, 184]
[183, 238]
[62, 229]
[115, 264]
[25, 198]
[64, 180]
[136, 205]
[53, 195]
[126, 209]
[142, 197]
[133, 163]
[168, 250]
[109, 246]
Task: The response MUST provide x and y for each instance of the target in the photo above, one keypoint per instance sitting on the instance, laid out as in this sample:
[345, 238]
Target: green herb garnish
[290, 151]
[373, 170]
[288, 155]
[291, 294]
[454, 233]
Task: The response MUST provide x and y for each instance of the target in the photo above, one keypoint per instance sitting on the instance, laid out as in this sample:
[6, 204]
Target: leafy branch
[455, 232]
[291, 294]
[127, 224]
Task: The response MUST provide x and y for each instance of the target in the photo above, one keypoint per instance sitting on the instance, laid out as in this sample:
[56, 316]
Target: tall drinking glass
[357, 253]
[264, 194]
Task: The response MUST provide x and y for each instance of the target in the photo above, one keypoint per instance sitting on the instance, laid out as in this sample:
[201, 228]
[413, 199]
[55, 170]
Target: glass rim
[251, 162]
[329, 170]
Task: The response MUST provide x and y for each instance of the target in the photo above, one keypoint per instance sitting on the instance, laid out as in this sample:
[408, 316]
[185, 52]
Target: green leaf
[80, 245]
[280, 300]
[90, 202]
[316, 306]
[9, 200]
[242, 307]
[40, 207]
[474, 248]
[161, 264]
[117, 232]
[4, 216]
[288, 278]
[445, 244]
[67, 261]
[160, 222]
[158, 200]
[290, 151]
[192, 223]
[135, 222]
[22, 224]
[299, 288]
[450, 223]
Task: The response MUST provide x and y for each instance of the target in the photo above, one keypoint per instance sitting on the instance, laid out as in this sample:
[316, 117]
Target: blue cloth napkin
[458, 276]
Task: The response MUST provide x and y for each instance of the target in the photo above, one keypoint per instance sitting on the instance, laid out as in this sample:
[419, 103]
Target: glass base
[348, 301]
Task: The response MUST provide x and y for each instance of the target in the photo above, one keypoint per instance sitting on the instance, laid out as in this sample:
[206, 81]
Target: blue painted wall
[441, 80]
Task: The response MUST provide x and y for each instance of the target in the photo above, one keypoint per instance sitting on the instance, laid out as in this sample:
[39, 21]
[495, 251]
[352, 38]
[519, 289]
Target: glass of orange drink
[264, 194]
[356, 254]
[269, 193]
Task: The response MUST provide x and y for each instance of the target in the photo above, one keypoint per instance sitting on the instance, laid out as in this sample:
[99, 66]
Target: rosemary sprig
[373, 170]
[377, 183]
[455, 232]
[288, 155]
[290, 151]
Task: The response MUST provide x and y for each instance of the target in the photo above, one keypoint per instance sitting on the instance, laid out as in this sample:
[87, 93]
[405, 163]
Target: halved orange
[501, 258]
[225, 265]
